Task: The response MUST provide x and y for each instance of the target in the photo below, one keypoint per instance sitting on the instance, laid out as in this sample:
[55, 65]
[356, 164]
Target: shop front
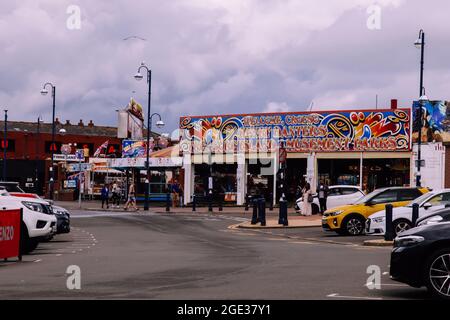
[241, 154]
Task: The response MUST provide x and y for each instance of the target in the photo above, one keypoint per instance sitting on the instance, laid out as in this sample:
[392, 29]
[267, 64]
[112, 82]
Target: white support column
[361, 170]
[241, 175]
[310, 169]
[188, 167]
[276, 163]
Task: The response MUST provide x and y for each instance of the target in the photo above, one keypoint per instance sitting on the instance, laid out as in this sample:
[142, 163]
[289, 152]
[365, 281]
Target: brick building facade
[29, 148]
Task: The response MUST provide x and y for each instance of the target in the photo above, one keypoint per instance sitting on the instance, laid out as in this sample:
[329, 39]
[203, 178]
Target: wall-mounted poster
[133, 148]
[327, 131]
[435, 121]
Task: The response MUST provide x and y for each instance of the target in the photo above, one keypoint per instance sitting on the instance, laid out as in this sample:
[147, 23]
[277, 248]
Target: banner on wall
[364, 130]
[435, 121]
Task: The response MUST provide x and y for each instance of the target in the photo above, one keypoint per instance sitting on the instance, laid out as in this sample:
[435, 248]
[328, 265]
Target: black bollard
[271, 202]
[283, 218]
[389, 232]
[262, 211]
[255, 212]
[193, 203]
[168, 202]
[415, 213]
[221, 197]
[210, 204]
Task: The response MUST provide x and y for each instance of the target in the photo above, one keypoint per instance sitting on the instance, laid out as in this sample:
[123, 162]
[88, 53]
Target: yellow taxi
[350, 219]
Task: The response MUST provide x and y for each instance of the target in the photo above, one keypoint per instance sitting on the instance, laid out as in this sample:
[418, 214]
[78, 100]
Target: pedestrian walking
[105, 196]
[175, 190]
[323, 195]
[131, 198]
[307, 200]
[115, 189]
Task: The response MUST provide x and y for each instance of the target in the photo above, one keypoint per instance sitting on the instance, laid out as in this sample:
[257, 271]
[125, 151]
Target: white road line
[387, 284]
[38, 260]
[336, 295]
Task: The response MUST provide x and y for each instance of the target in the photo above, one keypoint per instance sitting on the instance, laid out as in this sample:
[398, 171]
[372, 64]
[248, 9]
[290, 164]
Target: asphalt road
[153, 256]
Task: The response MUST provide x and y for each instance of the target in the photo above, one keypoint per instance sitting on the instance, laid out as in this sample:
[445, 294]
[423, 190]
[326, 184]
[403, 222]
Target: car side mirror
[427, 205]
[369, 203]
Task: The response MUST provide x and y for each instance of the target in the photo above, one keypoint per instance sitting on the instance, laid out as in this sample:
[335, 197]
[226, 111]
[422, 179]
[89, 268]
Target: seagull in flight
[134, 37]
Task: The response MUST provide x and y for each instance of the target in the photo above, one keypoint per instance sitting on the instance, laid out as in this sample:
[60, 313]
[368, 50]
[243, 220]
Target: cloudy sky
[218, 56]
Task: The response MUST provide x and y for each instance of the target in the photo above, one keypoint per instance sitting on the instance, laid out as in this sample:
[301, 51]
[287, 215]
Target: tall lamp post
[44, 92]
[420, 44]
[5, 145]
[138, 76]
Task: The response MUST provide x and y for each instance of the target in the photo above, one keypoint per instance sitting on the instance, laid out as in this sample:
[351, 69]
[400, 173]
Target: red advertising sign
[10, 221]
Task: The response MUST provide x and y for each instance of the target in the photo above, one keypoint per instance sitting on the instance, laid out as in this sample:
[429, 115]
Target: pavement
[129, 255]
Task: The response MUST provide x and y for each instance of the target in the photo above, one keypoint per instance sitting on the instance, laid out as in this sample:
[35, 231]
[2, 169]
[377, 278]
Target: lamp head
[62, 131]
[44, 92]
[160, 124]
[138, 76]
[423, 99]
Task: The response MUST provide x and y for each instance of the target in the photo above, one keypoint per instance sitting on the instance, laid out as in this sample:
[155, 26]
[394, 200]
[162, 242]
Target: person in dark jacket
[322, 194]
[105, 196]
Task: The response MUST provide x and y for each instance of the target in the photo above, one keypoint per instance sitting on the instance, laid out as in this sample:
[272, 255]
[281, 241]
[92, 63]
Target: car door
[333, 199]
[349, 195]
[379, 201]
[406, 195]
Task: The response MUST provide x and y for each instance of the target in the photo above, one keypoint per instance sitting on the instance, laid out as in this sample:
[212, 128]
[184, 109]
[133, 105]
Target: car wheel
[27, 244]
[315, 208]
[354, 225]
[401, 225]
[437, 274]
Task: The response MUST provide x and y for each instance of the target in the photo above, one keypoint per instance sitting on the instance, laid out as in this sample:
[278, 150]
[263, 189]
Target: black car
[62, 220]
[421, 257]
[442, 215]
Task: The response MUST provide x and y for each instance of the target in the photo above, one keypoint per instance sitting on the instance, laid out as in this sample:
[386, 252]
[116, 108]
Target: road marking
[300, 242]
[336, 295]
[387, 284]
[38, 260]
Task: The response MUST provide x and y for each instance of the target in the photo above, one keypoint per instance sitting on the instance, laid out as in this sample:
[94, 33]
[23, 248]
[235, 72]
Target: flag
[101, 148]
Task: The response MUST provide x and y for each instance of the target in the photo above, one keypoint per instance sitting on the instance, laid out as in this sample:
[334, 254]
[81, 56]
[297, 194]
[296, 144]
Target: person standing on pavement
[307, 200]
[131, 198]
[105, 196]
[322, 195]
[115, 195]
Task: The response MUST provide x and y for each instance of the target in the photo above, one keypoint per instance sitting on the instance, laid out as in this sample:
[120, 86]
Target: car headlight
[58, 211]
[431, 220]
[377, 219]
[408, 241]
[335, 213]
[33, 206]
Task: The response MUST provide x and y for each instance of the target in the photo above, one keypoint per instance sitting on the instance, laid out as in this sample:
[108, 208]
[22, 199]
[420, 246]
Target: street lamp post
[138, 76]
[420, 43]
[5, 145]
[44, 92]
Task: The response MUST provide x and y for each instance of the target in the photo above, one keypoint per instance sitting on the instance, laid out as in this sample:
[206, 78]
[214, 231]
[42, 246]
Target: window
[335, 192]
[408, 194]
[440, 199]
[10, 145]
[349, 191]
[385, 197]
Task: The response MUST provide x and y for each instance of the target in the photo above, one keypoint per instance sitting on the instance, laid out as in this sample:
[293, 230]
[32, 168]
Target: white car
[339, 195]
[39, 221]
[402, 216]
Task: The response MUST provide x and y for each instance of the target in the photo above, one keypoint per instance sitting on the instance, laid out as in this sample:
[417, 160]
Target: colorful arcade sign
[327, 131]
